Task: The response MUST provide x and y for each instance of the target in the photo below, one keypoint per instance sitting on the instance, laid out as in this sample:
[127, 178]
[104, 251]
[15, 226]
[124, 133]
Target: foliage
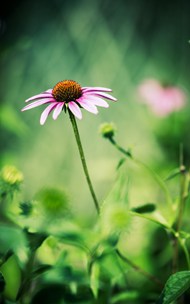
[49, 256]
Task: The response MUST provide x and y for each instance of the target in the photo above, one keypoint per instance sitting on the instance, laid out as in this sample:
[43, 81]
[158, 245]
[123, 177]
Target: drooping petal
[58, 110]
[75, 109]
[104, 95]
[46, 112]
[96, 101]
[39, 96]
[48, 91]
[98, 89]
[88, 106]
[38, 103]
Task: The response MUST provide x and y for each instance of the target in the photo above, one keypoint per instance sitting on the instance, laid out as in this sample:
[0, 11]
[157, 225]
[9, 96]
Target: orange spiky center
[67, 90]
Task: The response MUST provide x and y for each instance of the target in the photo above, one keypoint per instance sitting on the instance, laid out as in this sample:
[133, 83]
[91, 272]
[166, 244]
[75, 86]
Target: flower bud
[11, 175]
[53, 201]
[107, 130]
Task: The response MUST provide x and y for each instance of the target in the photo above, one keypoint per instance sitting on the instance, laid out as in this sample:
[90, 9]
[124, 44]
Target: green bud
[107, 130]
[53, 201]
[11, 175]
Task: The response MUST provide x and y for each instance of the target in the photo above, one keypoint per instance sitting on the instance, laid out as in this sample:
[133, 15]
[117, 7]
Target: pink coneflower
[161, 99]
[68, 94]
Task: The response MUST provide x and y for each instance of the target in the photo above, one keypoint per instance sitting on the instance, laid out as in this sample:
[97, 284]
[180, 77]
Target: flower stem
[149, 276]
[184, 185]
[127, 153]
[81, 152]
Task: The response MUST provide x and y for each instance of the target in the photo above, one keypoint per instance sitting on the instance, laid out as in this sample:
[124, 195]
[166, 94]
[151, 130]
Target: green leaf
[13, 239]
[35, 240]
[124, 296]
[173, 174]
[120, 189]
[94, 278]
[147, 208]
[12, 274]
[2, 283]
[73, 238]
[155, 218]
[5, 257]
[120, 163]
[175, 286]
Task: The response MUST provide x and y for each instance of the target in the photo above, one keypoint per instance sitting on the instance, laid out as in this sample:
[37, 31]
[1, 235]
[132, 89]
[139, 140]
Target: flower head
[69, 95]
[161, 99]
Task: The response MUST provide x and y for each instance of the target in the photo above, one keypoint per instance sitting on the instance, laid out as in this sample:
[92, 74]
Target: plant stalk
[149, 276]
[154, 174]
[81, 152]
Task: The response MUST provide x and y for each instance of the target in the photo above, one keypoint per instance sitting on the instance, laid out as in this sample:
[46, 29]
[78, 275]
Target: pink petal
[96, 101]
[39, 96]
[58, 110]
[48, 91]
[104, 95]
[46, 112]
[92, 89]
[75, 109]
[38, 103]
[88, 106]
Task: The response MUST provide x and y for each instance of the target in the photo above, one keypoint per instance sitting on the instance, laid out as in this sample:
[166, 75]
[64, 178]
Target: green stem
[81, 152]
[139, 269]
[77, 136]
[154, 174]
[186, 252]
[125, 152]
[183, 196]
[24, 289]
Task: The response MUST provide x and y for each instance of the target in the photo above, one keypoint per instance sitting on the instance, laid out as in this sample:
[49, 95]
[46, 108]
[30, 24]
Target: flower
[161, 99]
[68, 94]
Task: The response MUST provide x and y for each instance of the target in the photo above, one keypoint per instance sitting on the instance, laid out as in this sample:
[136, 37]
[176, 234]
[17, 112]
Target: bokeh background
[116, 44]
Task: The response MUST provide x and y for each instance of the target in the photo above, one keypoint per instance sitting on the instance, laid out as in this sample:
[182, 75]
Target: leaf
[120, 163]
[175, 286]
[94, 279]
[5, 257]
[155, 218]
[13, 239]
[124, 296]
[173, 174]
[12, 274]
[2, 283]
[120, 189]
[147, 208]
[35, 240]
[73, 238]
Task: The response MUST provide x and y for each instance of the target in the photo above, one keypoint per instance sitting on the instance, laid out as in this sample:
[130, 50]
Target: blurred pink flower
[68, 94]
[162, 100]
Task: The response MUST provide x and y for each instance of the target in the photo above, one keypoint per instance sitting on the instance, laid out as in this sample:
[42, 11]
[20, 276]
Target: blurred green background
[114, 44]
